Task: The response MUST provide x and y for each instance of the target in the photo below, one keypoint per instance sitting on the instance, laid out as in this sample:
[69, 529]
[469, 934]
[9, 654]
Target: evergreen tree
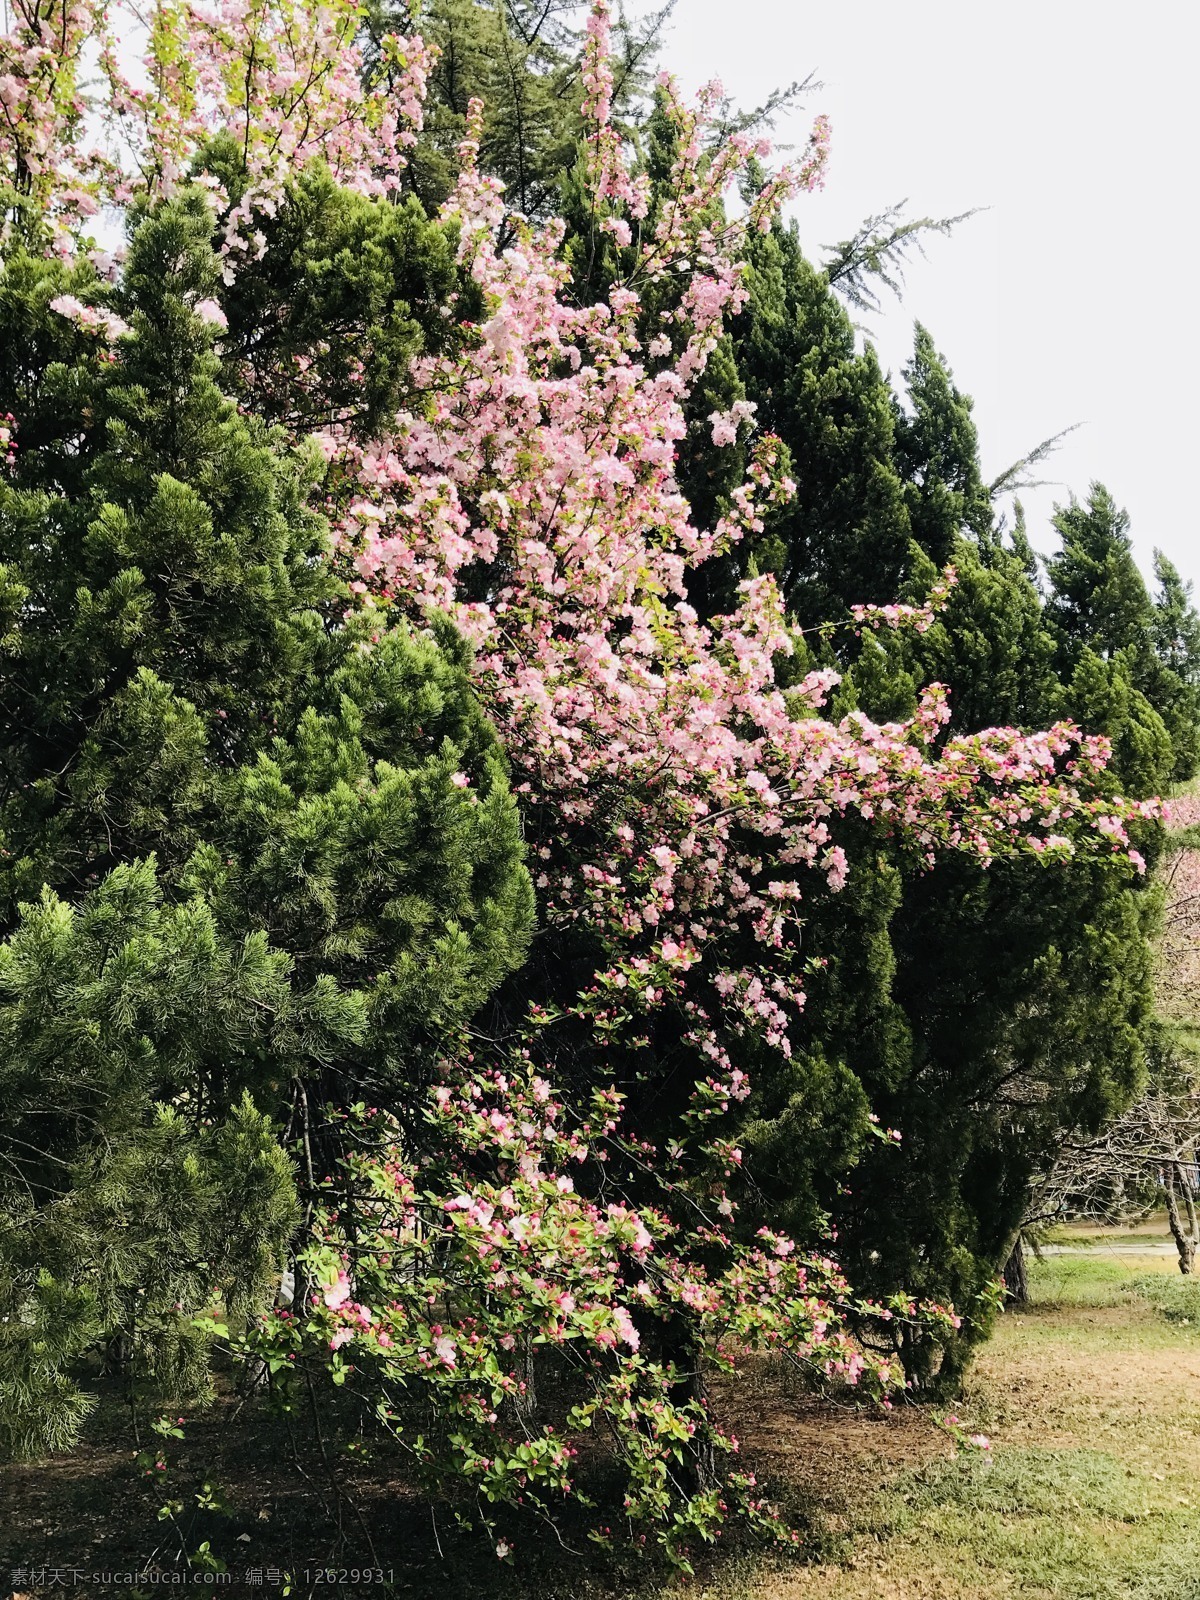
[1176, 687]
[937, 452]
[1176, 627]
[1099, 598]
[1018, 1015]
[521, 58]
[346, 291]
[844, 538]
[1108, 627]
[964, 1009]
[259, 853]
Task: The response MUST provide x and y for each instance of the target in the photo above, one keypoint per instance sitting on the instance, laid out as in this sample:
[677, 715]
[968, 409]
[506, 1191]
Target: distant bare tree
[1145, 1156]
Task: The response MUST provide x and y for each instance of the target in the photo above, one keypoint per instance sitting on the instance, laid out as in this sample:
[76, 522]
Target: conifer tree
[928, 1012]
[979, 954]
[937, 1003]
[251, 868]
[522, 59]
[844, 538]
[1098, 600]
[1108, 627]
[937, 452]
[1175, 688]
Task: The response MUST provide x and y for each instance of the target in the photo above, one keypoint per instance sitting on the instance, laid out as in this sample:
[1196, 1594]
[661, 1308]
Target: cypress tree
[964, 1009]
[1108, 626]
[1098, 597]
[937, 453]
[845, 537]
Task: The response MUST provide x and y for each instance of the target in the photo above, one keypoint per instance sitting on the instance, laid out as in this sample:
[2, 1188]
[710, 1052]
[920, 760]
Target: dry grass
[1092, 1399]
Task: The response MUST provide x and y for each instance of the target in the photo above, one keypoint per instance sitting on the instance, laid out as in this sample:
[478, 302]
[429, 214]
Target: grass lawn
[1091, 1490]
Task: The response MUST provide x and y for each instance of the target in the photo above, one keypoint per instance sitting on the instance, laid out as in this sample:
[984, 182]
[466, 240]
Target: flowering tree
[573, 1180]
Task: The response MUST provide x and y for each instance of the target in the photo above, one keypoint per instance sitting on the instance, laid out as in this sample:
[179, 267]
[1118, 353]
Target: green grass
[1097, 1278]
[1092, 1399]
[1073, 1522]
[1174, 1297]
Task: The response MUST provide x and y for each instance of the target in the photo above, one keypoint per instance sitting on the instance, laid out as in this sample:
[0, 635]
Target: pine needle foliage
[258, 853]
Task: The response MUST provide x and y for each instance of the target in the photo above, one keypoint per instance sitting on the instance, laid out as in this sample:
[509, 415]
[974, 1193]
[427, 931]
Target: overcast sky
[1071, 298]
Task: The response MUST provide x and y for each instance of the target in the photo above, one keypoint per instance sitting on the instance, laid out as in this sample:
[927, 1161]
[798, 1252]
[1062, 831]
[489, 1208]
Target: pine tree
[139, 1179]
[259, 852]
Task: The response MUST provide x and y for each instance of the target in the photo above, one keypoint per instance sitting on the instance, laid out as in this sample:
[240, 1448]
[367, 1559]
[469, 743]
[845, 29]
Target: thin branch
[1014, 478]
[881, 251]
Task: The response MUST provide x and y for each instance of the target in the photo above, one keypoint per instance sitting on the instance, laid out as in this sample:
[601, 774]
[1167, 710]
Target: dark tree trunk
[1183, 1224]
[117, 1360]
[699, 1467]
[525, 1400]
[1016, 1274]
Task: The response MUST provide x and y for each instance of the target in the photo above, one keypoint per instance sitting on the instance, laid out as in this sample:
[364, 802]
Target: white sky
[1071, 299]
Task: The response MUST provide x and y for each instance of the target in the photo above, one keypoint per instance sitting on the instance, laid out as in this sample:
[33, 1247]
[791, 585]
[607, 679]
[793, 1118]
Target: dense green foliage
[521, 58]
[963, 1007]
[984, 1018]
[249, 869]
[248, 866]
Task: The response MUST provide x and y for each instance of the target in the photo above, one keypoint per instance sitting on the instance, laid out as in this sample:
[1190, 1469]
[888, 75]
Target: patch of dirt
[1098, 1367]
[1069, 1378]
[819, 1583]
[98, 1509]
[821, 1450]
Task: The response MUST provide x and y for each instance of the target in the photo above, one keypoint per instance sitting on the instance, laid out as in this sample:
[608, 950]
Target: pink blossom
[626, 1331]
[210, 312]
[338, 1293]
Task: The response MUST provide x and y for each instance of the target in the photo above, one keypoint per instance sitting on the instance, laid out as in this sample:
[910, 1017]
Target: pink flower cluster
[447, 1278]
[672, 789]
[94, 318]
[921, 618]
[677, 799]
[289, 81]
